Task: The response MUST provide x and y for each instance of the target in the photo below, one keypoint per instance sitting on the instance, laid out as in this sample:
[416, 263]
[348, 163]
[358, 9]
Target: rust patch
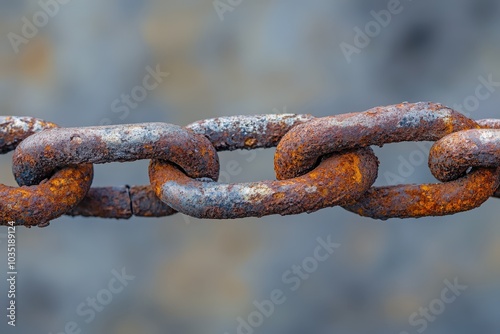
[300, 149]
[328, 185]
[38, 204]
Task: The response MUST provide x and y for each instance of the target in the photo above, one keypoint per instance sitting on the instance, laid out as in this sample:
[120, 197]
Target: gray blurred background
[199, 276]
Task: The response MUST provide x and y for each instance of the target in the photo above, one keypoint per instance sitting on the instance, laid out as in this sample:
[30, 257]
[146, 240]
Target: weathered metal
[37, 205]
[121, 203]
[41, 154]
[247, 132]
[14, 129]
[452, 156]
[301, 147]
[319, 162]
[338, 180]
[491, 124]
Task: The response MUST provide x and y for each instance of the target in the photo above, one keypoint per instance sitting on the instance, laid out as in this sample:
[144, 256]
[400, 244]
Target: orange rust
[328, 185]
[320, 163]
[250, 142]
[37, 205]
[414, 201]
[301, 147]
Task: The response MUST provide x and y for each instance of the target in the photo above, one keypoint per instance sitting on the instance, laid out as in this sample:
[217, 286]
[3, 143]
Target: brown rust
[338, 180]
[14, 129]
[145, 203]
[489, 123]
[109, 202]
[302, 146]
[415, 201]
[121, 203]
[247, 131]
[454, 154]
[37, 205]
[450, 157]
[38, 156]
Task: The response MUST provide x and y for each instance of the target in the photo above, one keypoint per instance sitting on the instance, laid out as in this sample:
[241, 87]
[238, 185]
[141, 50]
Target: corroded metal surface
[37, 205]
[452, 156]
[491, 124]
[338, 180]
[414, 201]
[15, 129]
[303, 145]
[39, 155]
[121, 203]
[319, 162]
[247, 132]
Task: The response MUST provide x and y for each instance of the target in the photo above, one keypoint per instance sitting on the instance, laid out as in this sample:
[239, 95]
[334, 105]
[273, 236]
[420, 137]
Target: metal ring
[38, 204]
[41, 154]
[490, 124]
[299, 150]
[339, 179]
[451, 156]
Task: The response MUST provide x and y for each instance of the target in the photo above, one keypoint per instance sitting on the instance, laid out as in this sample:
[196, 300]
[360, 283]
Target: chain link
[319, 163]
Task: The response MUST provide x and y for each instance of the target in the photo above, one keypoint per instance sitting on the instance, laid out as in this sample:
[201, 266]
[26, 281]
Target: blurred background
[250, 57]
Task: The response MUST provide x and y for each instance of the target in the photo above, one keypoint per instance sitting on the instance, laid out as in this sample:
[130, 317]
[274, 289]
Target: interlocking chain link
[319, 163]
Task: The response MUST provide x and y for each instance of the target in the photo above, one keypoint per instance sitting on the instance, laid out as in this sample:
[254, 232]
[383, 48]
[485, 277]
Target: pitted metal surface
[319, 163]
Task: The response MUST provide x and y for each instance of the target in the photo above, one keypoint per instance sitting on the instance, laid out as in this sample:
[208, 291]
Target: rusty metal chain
[319, 163]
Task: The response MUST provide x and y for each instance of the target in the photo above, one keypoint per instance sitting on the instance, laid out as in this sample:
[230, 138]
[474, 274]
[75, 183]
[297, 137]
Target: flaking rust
[491, 124]
[41, 154]
[301, 147]
[121, 203]
[37, 205]
[247, 132]
[415, 201]
[14, 129]
[319, 162]
[338, 180]
[452, 156]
